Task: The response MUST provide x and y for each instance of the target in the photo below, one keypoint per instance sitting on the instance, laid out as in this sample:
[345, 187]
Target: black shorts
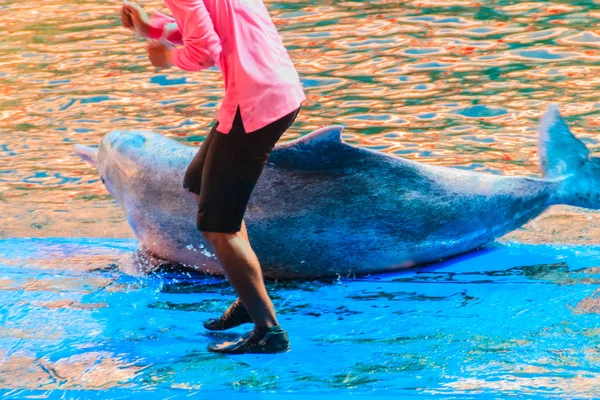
[226, 169]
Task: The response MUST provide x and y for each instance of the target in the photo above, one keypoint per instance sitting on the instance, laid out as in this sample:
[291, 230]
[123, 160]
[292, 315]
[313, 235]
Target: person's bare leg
[244, 232]
[243, 271]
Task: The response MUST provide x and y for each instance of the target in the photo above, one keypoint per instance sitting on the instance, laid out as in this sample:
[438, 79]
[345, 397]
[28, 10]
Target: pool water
[444, 82]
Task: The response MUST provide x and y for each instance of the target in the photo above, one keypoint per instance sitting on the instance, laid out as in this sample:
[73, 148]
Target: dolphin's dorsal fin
[318, 151]
[327, 135]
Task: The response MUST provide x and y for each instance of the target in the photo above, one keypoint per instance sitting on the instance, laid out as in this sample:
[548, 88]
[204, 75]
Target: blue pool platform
[510, 320]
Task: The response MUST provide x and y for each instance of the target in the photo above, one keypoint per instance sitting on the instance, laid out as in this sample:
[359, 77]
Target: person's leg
[244, 232]
[244, 273]
[232, 168]
[235, 314]
[192, 180]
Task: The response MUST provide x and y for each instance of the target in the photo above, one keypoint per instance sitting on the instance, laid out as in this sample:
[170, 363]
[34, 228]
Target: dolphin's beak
[89, 154]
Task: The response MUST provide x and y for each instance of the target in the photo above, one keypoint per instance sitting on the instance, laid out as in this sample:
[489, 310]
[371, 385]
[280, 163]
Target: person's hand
[159, 54]
[126, 21]
[134, 18]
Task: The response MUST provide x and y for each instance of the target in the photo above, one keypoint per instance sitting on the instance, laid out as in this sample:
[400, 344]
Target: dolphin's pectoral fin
[86, 153]
[321, 136]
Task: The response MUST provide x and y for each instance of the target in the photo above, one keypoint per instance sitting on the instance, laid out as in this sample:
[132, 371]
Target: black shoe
[273, 340]
[235, 315]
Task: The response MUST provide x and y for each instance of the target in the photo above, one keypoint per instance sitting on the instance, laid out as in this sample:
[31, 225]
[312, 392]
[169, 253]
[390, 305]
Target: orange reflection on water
[445, 82]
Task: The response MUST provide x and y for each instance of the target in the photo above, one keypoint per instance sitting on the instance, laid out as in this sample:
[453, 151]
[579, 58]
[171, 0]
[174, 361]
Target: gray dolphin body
[325, 208]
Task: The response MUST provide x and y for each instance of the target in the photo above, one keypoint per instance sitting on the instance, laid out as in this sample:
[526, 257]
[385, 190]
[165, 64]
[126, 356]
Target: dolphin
[325, 208]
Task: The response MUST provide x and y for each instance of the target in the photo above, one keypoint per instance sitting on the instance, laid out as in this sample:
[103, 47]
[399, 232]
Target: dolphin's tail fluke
[566, 159]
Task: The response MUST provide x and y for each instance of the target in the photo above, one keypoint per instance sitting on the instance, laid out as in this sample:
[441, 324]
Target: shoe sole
[219, 329]
[287, 350]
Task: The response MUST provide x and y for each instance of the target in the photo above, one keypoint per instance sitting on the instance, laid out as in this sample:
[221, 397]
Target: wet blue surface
[508, 320]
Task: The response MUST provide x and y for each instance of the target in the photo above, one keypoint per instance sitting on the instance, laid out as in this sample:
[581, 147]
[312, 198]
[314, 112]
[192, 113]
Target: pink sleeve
[201, 44]
[164, 27]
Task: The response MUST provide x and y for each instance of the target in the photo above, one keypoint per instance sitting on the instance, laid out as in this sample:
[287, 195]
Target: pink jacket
[239, 37]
